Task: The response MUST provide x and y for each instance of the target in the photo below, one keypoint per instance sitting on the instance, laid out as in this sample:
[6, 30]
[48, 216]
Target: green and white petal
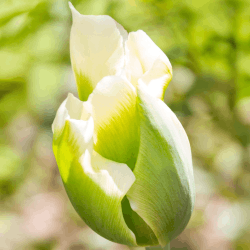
[71, 109]
[96, 49]
[116, 122]
[163, 193]
[146, 61]
[157, 79]
[95, 185]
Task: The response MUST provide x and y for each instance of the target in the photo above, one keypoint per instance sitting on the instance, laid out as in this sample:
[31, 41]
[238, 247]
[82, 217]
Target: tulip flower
[123, 155]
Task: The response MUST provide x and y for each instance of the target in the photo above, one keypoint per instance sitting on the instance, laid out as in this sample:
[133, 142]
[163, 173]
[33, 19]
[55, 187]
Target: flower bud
[124, 157]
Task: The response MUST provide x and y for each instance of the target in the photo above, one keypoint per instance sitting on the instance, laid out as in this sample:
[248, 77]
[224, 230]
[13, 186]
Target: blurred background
[207, 43]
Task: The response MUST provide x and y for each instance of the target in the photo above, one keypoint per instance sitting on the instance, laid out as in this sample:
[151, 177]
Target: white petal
[123, 33]
[95, 185]
[113, 177]
[145, 60]
[73, 111]
[61, 115]
[157, 78]
[96, 47]
[66, 111]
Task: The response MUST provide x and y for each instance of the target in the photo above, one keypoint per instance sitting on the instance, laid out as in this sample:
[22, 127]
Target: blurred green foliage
[207, 43]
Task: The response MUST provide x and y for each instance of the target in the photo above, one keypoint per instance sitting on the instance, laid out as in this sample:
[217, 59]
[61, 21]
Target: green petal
[95, 185]
[96, 50]
[116, 126]
[163, 193]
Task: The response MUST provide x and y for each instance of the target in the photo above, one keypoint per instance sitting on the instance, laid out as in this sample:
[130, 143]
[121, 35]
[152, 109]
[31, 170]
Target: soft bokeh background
[207, 43]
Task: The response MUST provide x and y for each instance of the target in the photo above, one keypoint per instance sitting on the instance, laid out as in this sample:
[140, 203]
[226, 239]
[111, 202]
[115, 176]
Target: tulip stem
[137, 248]
[167, 247]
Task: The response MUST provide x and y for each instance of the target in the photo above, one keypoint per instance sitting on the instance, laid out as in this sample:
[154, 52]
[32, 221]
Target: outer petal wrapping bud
[94, 184]
[163, 193]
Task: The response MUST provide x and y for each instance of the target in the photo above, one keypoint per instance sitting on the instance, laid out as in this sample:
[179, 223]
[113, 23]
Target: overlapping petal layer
[116, 125]
[163, 193]
[100, 47]
[146, 61]
[96, 49]
[94, 184]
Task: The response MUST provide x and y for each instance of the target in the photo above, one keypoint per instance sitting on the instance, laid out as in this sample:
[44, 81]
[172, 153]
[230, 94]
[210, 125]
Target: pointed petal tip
[73, 10]
[145, 59]
[137, 32]
[71, 6]
[70, 95]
